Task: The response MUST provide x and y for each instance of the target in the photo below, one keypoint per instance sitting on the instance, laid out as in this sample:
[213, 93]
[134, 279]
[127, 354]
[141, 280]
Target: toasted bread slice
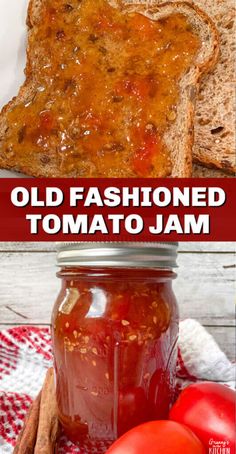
[200, 171]
[214, 125]
[215, 144]
[33, 142]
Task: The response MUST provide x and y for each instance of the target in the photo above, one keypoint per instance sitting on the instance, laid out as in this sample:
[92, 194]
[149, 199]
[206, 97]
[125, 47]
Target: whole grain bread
[214, 125]
[215, 144]
[199, 171]
[178, 137]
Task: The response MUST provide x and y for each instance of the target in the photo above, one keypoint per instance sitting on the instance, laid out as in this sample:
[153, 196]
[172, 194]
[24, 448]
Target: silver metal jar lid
[126, 255]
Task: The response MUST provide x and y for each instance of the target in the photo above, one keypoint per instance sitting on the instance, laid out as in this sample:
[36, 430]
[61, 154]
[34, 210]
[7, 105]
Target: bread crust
[180, 144]
[215, 138]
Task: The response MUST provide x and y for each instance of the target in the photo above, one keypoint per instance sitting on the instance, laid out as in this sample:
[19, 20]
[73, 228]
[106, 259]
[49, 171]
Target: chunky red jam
[114, 335]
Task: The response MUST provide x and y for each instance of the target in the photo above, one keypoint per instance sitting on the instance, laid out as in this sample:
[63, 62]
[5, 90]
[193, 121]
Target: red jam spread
[114, 336]
[105, 89]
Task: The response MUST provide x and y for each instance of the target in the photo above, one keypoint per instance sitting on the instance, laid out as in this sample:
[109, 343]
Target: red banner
[117, 210]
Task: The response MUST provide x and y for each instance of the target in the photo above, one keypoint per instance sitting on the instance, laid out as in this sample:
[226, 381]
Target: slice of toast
[214, 125]
[200, 171]
[215, 144]
[33, 142]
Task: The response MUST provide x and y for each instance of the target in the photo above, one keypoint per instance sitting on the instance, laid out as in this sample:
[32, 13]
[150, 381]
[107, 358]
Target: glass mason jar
[114, 331]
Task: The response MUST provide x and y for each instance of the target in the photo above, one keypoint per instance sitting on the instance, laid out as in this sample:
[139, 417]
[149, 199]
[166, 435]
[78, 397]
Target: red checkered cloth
[26, 354]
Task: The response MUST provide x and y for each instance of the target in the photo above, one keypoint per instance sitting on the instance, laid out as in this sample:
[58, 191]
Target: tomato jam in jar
[114, 330]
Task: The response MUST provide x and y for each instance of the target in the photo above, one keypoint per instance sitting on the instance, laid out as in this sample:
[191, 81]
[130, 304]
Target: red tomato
[209, 410]
[158, 437]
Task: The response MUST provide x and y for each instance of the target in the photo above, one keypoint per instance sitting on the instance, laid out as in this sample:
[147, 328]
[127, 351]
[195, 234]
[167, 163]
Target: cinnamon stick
[41, 428]
[48, 426]
[27, 438]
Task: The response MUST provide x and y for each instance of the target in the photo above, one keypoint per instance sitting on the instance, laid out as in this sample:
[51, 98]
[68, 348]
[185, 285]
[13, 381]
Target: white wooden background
[205, 286]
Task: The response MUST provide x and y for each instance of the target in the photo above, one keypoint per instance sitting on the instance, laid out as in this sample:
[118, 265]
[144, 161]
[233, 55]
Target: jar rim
[118, 254]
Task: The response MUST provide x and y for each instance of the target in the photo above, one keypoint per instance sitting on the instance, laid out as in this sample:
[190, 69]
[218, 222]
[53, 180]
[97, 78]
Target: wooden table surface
[205, 286]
